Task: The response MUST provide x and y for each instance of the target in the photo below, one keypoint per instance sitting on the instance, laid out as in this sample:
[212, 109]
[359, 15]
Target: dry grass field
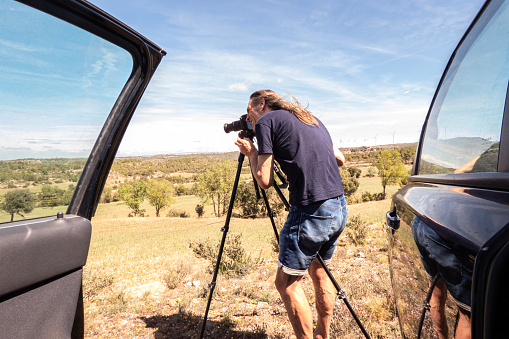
[142, 280]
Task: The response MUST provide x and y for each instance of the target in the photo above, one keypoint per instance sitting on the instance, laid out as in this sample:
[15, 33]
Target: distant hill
[452, 153]
[362, 149]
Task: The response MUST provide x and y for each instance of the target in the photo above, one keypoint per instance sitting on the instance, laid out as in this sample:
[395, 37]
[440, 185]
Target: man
[453, 270]
[300, 143]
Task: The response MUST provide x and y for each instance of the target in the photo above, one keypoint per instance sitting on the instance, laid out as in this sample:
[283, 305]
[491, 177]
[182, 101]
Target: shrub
[200, 210]
[372, 171]
[177, 274]
[356, 229]
[235, 261]
[353, 200]
[366, 196]
[355, 172]
[172, 213]
[107, 195]
[94, 282]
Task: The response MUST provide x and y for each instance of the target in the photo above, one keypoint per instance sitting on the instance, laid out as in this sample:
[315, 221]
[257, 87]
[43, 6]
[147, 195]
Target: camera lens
[233, 126]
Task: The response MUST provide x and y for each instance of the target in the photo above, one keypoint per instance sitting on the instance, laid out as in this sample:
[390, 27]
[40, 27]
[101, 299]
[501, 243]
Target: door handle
[393, 219]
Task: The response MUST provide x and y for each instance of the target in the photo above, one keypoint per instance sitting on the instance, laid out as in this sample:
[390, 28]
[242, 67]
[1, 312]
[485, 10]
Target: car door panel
[41, 260]
[490, 288]
[43, 310]
[459, 216]
[409, 279]
[41, 275]
[454, 211]
[38, 250]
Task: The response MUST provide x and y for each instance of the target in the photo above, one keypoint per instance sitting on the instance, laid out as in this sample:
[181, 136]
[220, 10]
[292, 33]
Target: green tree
[216, 185]
[67, 196]
[107, 195]
[18, 202]
[354, 172]
[133, 195]
[407, 154]
[180, 190]
[247, 201]
[390, 168]
[51, 196]
[160, 194]
[350, 182]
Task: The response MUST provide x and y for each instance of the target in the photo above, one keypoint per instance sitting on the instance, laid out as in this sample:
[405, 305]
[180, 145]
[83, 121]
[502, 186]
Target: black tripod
[212, 285]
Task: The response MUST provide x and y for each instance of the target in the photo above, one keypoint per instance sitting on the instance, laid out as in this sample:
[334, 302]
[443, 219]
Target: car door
[71, 78]
[457, 197]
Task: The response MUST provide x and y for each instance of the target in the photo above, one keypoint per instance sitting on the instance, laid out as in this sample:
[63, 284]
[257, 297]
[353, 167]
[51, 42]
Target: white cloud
[238, 87]
[366, 68]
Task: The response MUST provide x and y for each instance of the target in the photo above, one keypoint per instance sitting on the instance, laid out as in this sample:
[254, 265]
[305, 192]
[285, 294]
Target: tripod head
[247, 134]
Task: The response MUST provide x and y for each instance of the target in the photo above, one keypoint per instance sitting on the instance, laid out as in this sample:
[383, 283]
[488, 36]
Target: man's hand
[262, 166]
[245, 145]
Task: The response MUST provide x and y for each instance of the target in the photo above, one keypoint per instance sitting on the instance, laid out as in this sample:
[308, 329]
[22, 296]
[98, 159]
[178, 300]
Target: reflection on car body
[448, 269]
[454, 211]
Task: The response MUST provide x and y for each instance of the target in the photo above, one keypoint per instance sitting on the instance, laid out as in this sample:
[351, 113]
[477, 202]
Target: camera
[240, 125]
[245, 127]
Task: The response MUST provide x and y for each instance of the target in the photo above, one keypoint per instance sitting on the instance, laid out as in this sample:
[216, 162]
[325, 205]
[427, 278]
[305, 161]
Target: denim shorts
[308, 231]
[438, 257]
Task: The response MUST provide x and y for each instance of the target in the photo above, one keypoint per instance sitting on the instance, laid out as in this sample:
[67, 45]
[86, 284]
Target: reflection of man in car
[486, 162]
[303, 148]
[454, 269]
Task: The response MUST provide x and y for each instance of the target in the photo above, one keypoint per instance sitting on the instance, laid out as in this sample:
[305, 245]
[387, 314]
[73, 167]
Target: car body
[459, 190]
[61, 98]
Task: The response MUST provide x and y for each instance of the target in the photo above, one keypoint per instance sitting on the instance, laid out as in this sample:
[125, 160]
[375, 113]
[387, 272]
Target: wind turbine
[393, 136]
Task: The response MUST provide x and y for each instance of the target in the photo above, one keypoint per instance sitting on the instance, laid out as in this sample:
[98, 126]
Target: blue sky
[367, 69]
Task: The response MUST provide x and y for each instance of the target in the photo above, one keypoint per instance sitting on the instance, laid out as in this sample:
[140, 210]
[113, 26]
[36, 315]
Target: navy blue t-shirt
[305, 154]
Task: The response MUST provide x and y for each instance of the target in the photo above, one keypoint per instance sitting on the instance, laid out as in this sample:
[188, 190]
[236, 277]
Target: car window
[58, 84]
[464, 127]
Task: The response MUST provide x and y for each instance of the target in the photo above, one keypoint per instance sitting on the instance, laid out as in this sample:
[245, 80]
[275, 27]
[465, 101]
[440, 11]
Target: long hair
[275, 102]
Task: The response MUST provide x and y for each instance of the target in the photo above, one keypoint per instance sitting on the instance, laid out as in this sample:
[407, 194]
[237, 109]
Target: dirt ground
[250, 306]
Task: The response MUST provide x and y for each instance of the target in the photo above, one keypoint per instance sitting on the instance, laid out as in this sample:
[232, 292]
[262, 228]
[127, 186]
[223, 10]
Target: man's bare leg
[296, 304]
[463, 331]
[325, 295]
[437, 308]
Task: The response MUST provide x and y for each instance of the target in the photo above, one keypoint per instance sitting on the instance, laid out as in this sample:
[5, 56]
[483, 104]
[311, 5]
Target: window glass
[58, 84]
[464, 128]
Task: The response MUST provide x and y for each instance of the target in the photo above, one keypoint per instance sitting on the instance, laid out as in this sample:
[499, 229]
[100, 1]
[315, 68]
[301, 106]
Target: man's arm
[340, 158]
[262, 166]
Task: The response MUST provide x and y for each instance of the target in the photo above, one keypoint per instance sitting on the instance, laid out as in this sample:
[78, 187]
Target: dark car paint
[471, 212]
[468, 217]
[489, 286]
[41, 260]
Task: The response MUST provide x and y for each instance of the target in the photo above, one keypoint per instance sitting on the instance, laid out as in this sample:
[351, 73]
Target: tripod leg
[212, 285]
[270, 214]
